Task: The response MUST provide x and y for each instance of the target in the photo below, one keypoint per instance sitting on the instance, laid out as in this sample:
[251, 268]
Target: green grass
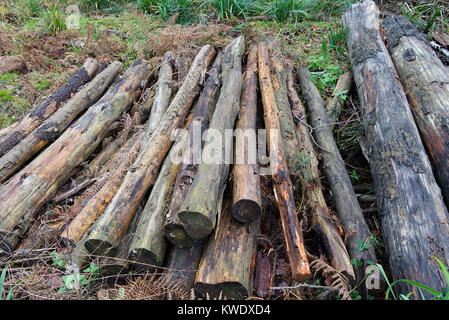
[428, 17]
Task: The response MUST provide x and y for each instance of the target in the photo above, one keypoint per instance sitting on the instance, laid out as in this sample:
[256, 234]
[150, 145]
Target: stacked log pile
[158, 197]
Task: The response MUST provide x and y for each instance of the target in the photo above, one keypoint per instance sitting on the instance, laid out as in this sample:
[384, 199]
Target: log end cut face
[143, 259]
[246, 211]
[196, 224]
[100, 248]
[177, 236]
[228, 290]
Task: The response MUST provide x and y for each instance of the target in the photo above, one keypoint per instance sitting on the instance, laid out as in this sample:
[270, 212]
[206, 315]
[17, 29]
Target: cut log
[51, 128]
[149, 244]
[426, 83]
[203, 110]
[246, 192]
[414, 219]
[348, 209]
[335, 104]
[183, 263]
[96, 205]
[115, 219]
[29, 189]
[283, 189]
[198, 212]
[227, 264]
[42, 111]
[161, 101]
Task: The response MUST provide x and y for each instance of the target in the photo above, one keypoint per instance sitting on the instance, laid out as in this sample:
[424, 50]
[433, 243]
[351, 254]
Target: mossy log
[227, 264]
[42, 111]
[426, 83]
[198, 212]
[246, 192]
[351, 217]
[115, 219]
[282, 185]
[335, 104]
[182, 263]
[96, 205]
[36, 183]
[414, 219]
[202, 112]
[51, 128]
[149, 245]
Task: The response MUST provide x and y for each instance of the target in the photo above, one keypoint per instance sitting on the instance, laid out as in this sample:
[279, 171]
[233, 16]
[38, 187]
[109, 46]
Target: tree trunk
[42, 111]
[183, 263]
[426, 83]
[246, 192]
[51, 128]
[356, 230]
[283, 189]
[203, 110]
[335, 104]
[198, 212]
[414, 220]
[227, 264]
[97, 204]
[149, 244]
[115, 219]
[29, 189]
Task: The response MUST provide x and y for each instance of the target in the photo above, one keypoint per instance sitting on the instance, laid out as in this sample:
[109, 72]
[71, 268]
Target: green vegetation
[428, 16]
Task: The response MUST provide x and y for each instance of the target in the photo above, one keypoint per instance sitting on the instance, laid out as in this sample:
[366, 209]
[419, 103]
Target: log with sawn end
[198, 212]
[202, 112]
[414, 219]
[141, 176]
[246, 192]
[227, 265]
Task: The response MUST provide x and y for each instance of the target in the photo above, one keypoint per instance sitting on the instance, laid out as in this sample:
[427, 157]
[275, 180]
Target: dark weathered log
[348, 209]
[161, 101]
[29, 189]
[426, 83]
[51, 128]
[183, 263]
[335, 104]
[149, 244]
[198, 212]
[227, 264]
[202, 112]
[414, 219]
[115, 219]
[95, 206]
[246, 191]
[307, 164]
[42, 111]
[283, 189]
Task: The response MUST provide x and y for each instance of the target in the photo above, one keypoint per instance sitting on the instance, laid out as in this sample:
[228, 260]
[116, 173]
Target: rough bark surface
[227, 264]
[115, 219]
[51, 128]
[414, 219]
[246, 192]
[36, 183]
[198, 212]
[426, 83]
[42, 111]
[283, 189]
[203, 110]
